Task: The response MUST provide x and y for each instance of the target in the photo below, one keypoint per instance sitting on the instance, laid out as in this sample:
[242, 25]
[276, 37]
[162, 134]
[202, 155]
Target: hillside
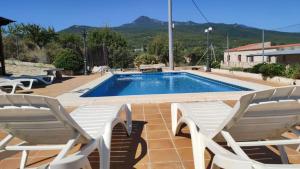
[191, 34]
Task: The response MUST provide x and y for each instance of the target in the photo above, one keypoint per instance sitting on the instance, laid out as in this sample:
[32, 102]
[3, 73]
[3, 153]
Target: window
[251, 59]
[228, 58]
[269, 59]
[240, 58]
[284, 58]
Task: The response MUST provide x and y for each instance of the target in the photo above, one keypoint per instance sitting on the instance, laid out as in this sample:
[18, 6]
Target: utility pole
[2, 58]
[208, 57]
[17, 45]
[263, 45]
[227, 44]
[85, 51]
[171, 57]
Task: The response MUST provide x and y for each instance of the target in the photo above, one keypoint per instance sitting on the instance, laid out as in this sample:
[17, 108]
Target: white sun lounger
[43, 124]
[30, 81]
[10, 84]
[237, 159]
[256, 116]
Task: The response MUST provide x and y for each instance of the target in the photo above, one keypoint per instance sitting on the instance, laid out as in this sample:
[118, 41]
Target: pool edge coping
[73, 98]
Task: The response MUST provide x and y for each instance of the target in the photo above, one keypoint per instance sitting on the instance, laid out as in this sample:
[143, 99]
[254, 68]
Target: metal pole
[227, 44]
[171, 57]
[227, 50]
[263, 45]
[207, 56]
[85, 52]
[17, 45]
[2, 59]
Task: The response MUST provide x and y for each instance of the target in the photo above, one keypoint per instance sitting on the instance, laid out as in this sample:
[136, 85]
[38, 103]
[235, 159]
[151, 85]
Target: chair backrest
[38, 120]
[265, 114]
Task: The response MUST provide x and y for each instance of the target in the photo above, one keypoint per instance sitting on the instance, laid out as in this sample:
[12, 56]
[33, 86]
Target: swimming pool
[159, 83]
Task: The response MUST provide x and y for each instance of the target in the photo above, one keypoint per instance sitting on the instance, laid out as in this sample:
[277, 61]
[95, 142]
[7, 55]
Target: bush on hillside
[68, 59]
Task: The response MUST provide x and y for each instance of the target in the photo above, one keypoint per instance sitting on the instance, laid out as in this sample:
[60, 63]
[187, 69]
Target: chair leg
[87, 164]
[24, 159]
[198, 145]
[198, 148]
[174, 111]
[128, 119]
[13, 90]
[283, 154]
[30, 84]
[104, 150]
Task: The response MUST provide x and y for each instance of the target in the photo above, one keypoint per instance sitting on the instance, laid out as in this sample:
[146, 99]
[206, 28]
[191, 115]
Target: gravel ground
[26, 68]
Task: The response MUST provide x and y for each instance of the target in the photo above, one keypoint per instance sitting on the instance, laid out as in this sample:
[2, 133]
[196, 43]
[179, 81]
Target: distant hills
[191, 34]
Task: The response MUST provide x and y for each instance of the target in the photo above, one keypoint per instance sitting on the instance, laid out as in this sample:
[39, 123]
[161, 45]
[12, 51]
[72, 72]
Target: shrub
[216, 65]
[271, 70]
[68, 59]
[236, 69]
[293, 71]
[255, 68]
[145, 59]
[247, 70]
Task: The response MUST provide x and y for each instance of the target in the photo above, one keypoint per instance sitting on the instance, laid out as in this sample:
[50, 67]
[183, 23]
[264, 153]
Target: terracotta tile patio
[151, 144]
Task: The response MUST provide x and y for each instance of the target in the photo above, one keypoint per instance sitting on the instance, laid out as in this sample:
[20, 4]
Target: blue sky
[64, 13]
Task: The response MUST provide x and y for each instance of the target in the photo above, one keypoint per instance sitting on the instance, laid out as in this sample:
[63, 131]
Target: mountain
[191, 34]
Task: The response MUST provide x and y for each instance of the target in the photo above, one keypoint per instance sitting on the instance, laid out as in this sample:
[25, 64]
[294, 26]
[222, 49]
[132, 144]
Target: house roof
[5, 21]
[278, 53]
[258, 46]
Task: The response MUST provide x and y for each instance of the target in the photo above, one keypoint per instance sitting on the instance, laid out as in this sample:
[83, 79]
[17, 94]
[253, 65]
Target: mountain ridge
[191, 34]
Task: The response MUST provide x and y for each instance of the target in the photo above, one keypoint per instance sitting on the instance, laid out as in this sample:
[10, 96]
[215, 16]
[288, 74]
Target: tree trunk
[2, 59]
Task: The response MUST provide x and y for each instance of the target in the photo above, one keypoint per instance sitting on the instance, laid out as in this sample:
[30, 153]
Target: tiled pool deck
[151, 145]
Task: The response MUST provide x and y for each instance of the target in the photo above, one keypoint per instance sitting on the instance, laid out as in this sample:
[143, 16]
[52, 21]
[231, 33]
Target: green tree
[118, 53]
[39, 35]
[178, 53]
[52, 49]
[70, 41]
[69, 60]
[159, 47]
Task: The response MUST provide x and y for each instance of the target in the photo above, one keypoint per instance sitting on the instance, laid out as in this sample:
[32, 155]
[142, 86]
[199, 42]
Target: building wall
[244, 60]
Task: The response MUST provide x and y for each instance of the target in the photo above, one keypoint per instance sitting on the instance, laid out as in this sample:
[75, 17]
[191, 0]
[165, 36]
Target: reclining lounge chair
[43, 124]
[27, 82]
[263, 115]
[10, 87]
[46, 79]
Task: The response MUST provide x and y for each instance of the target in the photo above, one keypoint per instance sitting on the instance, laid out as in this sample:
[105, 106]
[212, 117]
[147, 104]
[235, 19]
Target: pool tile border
[73, 98]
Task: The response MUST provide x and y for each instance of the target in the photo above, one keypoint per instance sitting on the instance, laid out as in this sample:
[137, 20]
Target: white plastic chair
[44, 124]
[12, 85]
[29, 82]
[256, 116]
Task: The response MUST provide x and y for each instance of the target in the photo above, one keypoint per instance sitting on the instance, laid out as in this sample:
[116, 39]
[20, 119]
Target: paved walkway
[249, 79]
[64, 85]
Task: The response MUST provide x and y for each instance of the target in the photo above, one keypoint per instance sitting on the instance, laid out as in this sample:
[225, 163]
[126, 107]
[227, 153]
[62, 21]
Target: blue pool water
[159, 83]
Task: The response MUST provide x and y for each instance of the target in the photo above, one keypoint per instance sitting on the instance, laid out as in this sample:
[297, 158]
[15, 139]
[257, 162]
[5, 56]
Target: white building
[252, 54]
